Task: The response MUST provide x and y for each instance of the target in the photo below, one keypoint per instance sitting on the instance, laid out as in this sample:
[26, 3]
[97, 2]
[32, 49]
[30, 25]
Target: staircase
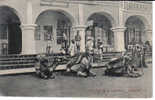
[16, 63]
[105, 57]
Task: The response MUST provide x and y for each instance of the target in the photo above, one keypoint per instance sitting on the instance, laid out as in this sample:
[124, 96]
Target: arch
[142, 18]
[55, 24]
[100, 30]
[10, 30]
[66, 13]
[107, 15]
[135, 30]
[15, 11]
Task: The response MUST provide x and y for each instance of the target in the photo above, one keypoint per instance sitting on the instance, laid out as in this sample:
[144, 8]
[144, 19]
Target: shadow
[69, 74]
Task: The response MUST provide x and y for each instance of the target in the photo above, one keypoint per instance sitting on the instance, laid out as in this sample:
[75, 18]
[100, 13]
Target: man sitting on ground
[82, 64]
[43, 68]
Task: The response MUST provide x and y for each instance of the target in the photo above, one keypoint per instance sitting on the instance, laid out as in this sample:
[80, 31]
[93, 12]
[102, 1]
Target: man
[122, 66]
[49, 43]
[65, 40]
[78, 39]
[83, 63]
[86, 65]
[72, 52]
[43, 68]
[72, 48]
[137, 55]
[100, 49]
[4, 49]
[143, 51]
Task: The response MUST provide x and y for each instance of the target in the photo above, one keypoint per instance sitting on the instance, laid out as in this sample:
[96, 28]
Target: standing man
[4, 49]
[49, 39]
[78, 39]
[143, 51]
[72, 48]
[65, 41]
[72, 53]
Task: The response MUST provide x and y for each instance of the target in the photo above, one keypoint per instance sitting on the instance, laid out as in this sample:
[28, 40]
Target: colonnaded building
[24, 24]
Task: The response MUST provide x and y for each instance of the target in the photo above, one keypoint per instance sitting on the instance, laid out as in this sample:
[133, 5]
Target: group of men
[72, 47]
[81, 63]
[131, 63]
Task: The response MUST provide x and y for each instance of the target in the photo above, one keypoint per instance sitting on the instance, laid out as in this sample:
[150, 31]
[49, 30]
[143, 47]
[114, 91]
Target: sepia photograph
[76, 48]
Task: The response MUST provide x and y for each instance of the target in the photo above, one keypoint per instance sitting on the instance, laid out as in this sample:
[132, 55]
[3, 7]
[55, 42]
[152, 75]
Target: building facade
[27, 26]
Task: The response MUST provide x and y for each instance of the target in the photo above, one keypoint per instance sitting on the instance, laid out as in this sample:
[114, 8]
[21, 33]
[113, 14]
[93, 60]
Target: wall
[71, 11]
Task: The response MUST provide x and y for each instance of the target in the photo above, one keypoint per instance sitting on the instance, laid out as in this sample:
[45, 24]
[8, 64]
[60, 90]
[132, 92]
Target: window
[48, 32]
[3, 31]
[63, 30]
[59, 36]
[110, 37]
[133, 35]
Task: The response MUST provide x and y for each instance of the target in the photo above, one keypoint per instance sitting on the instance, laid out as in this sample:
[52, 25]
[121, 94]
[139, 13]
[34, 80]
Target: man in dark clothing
[143, 51]
[44, 68]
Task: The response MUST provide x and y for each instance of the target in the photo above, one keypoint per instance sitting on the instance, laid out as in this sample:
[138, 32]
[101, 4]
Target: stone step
[16, 58]
[32, 69]
[16, 62]
[15, 66]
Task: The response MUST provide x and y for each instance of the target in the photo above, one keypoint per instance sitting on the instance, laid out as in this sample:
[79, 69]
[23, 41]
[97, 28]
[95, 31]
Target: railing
[132, 5]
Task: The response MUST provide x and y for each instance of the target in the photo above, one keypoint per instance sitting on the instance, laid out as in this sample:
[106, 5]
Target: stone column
[29, 11]
[119, 42]
[80, 14]
[28, 30]
[28, 39]
[81, 29]
[148, 35]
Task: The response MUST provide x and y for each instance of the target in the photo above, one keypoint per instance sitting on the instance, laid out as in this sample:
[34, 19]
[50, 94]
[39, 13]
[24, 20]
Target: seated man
[43, 68]
[82, 63]
[85, 66]
[122, 66]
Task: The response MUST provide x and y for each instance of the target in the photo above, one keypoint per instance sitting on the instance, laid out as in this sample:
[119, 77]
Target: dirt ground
[71, 86]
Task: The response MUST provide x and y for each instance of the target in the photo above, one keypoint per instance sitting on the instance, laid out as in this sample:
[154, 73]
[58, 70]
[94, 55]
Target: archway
[99, 29]
[10, 32]
[135, 31]
[53, 26]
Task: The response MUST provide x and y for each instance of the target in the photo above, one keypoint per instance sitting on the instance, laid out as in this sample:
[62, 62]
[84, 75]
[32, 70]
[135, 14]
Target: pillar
[28, 39]
[81, 29]
[119, 42]
[80, 14]
[28, 30]
[147, 36]
[29, 11]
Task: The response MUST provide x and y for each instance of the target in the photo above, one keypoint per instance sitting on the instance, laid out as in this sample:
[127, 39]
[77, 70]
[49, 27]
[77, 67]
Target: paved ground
[72, 86]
